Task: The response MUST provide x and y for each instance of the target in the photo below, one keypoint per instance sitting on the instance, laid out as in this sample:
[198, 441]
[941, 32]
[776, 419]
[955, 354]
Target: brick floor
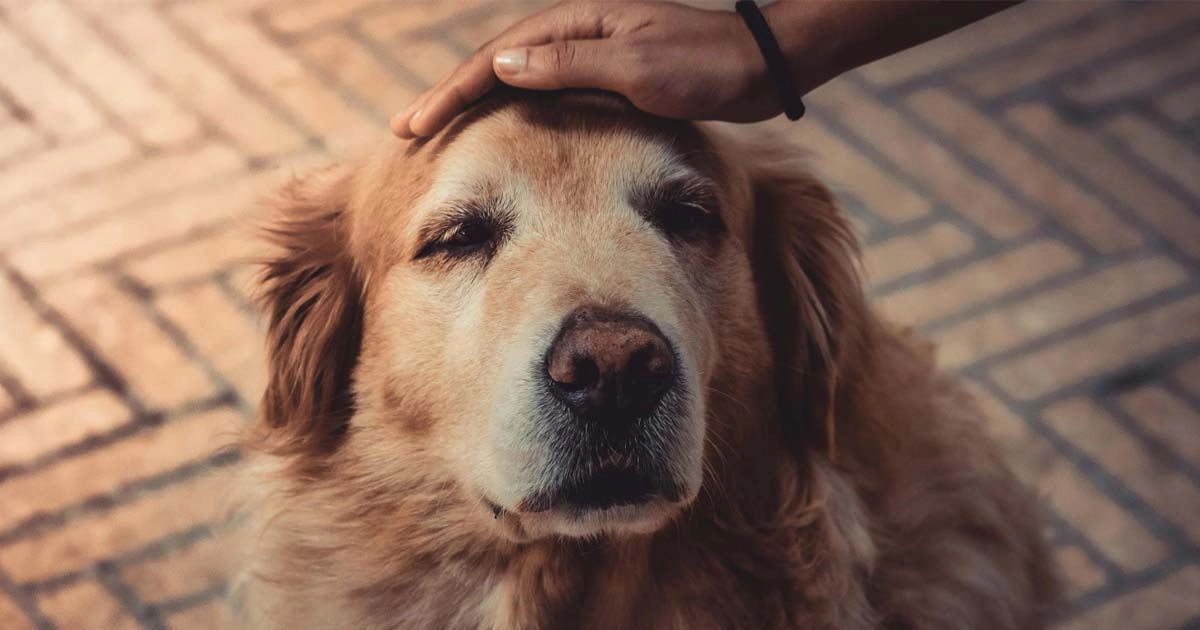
[1028, 192]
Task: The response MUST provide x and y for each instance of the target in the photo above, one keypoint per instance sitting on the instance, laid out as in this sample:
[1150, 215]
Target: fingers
[445, 100]
[399, 123]
[591, 63]
[476, 76]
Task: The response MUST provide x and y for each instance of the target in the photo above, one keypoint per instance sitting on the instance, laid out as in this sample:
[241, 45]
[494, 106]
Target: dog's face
[533, 307]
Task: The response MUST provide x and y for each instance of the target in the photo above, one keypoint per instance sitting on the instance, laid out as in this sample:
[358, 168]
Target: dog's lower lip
[606, 488]
[495, 508]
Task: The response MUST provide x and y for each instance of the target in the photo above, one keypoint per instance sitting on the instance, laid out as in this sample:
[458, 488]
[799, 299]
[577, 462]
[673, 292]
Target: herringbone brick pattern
[1028, 192]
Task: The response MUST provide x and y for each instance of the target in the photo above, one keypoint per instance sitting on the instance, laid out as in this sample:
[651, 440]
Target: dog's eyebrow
[691, 189]
[451, 213]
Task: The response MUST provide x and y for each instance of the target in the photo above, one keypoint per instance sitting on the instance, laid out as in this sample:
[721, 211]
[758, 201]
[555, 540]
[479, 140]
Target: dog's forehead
[560, 151]
[570, 148]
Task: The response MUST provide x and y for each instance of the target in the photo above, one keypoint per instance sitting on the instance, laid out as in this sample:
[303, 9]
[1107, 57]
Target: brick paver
[1028, 191]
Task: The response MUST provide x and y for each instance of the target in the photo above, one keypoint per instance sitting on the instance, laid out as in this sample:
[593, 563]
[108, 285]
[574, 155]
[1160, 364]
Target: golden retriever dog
[566, 365]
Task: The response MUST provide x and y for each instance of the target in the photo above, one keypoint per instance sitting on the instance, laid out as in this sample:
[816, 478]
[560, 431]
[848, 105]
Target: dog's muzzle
[612, 385]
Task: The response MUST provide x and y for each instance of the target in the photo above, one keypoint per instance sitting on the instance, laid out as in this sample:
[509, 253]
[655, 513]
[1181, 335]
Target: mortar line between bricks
[104, 31]
[74, 179]
[1147, 107]
[1081, 71]
[1014, 297]
[948, 267]
[109, 116]
[50, 400]
[107, 375]
[43, 522]
[324, 27]
[1172, 386]
[1176, 541]
[205, 127]
[1147, 169]
[1145, 305]
[853, 205]
[25, 603]
[115, 265]
[1161, 452]
[146, 616]
[1140, 101]
[22, 398]
[913, 185]
[479, 11]
[1046, 222]
[142, 296]
[285, 114]
[215, 277]
[193, 599]
[1082, 25]
[23, 116]
[1107, 380]
[333, 85]
[134, 426]
[1066, 172]
[377, 51]
[975, 61]
[158, 548]
[456, 45]
[1076, 538]
[246, 306]
[70, 228]
[895, 230]
[200, 185]
[1133, 582]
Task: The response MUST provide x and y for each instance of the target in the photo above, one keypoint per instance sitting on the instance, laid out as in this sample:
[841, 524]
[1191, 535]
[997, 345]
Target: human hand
[667, 59]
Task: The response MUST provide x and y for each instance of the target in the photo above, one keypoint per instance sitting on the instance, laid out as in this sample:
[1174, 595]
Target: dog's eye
[684, 219]
[473, 234]
[469, 234]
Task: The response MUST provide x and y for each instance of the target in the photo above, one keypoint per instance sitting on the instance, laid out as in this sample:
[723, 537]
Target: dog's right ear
[311, 292]
[806, 269]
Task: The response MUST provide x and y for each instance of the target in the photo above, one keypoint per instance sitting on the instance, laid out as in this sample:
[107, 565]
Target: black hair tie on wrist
[777, 68]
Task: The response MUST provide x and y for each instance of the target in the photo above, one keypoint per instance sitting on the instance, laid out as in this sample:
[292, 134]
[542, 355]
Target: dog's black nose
[610, 367]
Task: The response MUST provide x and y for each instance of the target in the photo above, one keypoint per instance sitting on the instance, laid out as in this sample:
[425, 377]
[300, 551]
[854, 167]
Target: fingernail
[412, 121]
[397, 124]
[511, 61]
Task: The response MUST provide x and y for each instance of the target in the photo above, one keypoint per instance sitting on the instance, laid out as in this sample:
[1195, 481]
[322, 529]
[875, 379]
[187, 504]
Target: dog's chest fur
[739, 570]
[598, 587]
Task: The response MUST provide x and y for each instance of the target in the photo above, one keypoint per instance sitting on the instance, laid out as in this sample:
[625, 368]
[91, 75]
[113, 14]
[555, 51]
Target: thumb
[582, 63]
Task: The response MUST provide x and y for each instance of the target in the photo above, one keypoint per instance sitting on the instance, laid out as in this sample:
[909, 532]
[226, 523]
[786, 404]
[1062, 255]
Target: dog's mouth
[606, 487]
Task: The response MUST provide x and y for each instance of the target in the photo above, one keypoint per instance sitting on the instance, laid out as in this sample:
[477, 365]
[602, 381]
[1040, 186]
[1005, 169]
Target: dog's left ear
[312, 295]
[806, 265]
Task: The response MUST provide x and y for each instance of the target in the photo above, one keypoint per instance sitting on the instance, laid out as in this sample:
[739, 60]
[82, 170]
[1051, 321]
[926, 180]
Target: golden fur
[846, 482]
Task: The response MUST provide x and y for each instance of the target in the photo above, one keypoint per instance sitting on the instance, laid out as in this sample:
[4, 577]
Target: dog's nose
[610, 367]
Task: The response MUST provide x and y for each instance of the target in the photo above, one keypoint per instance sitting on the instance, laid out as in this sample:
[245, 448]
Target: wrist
[752, 85]
[812, 52]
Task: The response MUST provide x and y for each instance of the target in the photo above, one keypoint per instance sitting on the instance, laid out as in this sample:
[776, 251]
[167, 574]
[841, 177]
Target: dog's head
[542, 307]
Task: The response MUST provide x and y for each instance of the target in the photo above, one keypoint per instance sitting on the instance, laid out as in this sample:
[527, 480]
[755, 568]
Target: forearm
[825, 38]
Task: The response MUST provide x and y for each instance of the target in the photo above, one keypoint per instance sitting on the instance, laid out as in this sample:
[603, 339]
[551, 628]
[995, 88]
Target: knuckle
[638, 67]
[456, 97]
[562, 56]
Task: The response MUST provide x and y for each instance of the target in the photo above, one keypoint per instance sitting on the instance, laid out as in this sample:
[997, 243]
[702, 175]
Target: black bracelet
[776, 65]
